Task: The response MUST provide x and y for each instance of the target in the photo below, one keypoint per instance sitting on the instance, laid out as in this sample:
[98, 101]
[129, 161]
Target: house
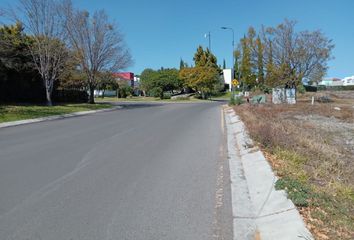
[348, 81]
[331, 82]
[125, 76]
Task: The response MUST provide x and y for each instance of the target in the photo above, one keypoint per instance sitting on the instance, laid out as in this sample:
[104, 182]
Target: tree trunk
[49, 97]
[92, 95]
[203, 95]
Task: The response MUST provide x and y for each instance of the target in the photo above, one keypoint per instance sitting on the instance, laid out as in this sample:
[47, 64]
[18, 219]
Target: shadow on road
[137, 105]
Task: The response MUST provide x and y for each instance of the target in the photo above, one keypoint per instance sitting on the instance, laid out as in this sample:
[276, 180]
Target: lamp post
[208, 35]
[233, 44]
[233, 56]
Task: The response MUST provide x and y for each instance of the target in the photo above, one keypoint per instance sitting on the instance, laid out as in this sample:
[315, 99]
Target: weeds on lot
[235, 101]
[298, 192]
[310, 150]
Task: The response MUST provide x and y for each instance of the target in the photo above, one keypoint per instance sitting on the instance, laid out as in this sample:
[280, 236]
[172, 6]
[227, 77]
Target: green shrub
[70, 96]
[125, 91]
[167, 96]
[301, 89]
[236, 101]
[310, 88]
[265, 89]
[298, 192]
[155, 92]
[336, 88]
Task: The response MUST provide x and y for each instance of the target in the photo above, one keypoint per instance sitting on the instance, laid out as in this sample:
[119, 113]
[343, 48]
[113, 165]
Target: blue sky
[160, 32]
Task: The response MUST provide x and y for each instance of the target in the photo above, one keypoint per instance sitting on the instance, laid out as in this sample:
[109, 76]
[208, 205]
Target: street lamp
[233, 44]
[208, 35]
[233, 56]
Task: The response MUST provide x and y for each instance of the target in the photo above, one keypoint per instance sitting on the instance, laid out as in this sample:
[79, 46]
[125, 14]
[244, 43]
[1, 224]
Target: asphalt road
[147, 171]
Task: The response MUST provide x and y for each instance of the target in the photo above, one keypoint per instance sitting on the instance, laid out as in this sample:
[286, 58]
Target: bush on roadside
[167, 96]
[124, 91]
[301, 89]
[236, 101]
[310, 88]
[70, 96]
[155, 92]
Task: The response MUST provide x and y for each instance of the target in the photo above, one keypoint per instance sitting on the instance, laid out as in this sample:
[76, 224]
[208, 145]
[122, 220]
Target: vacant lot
[311, 149]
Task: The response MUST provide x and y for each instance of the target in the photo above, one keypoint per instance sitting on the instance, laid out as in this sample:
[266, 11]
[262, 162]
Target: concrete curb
[55, 117]
[259, 211]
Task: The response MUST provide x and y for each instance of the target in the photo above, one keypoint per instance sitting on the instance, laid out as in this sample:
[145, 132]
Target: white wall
[228, 76]
[348, 81]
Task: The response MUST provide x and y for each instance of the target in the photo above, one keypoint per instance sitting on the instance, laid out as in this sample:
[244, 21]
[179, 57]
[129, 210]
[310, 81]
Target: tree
[224, 64]
[13, 47]
[182, 64]
[204, 77]
[201, 79]
[42, 21]
[99, 44]
[270, 79]
[19, 80]
[204, 58]
[147, 79]
[72, 77]
[200, 58]
[302, 54]
[247, 75]
[160, 81]
[260, 71]
[124, 89]
[237, 54]
[106, 81]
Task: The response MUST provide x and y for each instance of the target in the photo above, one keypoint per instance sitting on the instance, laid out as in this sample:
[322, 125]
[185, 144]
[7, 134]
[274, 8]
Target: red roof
[124, 75]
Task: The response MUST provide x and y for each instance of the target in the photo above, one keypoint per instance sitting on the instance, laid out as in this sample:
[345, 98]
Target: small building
[348, 81]
[331, 82]
[125, 76]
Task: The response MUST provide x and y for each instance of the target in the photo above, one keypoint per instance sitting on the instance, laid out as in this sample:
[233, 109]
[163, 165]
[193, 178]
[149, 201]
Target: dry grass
[314, 145]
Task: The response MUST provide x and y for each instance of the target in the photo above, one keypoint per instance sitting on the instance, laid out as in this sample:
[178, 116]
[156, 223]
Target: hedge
[336, 88]
[331, 88]
[70, 96]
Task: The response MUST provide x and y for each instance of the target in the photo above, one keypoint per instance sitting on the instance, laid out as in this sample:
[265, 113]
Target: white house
[348, 81]
[331, 82]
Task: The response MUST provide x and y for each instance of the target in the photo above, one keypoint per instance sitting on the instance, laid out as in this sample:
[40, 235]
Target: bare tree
[296, 55]
[41, 19]
[98, 43]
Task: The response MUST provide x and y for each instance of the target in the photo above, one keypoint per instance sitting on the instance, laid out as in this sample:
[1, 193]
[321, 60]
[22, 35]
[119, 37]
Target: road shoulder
[259, 211]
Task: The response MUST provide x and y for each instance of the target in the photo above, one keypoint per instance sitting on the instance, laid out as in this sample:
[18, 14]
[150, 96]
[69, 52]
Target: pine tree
[205, 58]
[270, 77]
[200, 57]
[237, 55]
[181, 64]
[246, 66]
[260, 70]
[224, 64]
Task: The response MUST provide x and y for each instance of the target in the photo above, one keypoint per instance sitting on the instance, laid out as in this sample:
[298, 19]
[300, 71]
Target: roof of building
[124, 75]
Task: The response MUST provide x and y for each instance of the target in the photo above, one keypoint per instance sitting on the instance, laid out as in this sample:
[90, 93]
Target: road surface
[147, 171]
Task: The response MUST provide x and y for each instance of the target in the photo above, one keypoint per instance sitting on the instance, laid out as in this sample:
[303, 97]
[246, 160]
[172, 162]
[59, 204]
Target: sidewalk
[54, 117]
[260, 212]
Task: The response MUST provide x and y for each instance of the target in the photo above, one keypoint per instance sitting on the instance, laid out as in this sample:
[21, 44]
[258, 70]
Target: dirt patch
[312, 146]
